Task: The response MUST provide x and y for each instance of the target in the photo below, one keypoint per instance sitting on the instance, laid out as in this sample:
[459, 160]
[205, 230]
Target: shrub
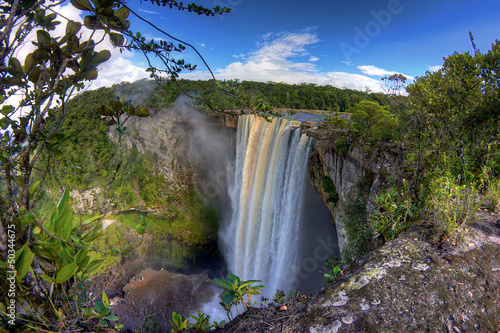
[395, 212]
[451, 205]
[329, 188]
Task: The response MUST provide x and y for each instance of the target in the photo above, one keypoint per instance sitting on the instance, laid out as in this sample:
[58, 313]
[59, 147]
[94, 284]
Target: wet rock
[152, 296]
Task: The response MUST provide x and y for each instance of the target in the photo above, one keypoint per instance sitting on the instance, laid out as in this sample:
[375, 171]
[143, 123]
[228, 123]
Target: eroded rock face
[346, 168]
[408, 285]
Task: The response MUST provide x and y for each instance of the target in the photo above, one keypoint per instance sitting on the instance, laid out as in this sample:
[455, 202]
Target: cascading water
[263, 237]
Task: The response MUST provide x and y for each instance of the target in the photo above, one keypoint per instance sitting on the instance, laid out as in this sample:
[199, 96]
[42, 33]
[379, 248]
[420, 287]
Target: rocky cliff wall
[335, 162]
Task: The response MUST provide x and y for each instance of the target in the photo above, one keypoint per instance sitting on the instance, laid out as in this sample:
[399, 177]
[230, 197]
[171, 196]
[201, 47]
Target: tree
[57, 68]
[372, 121]
[453, 114]
[395, 84]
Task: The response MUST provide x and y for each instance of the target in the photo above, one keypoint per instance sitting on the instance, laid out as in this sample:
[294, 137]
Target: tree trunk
[3, 237]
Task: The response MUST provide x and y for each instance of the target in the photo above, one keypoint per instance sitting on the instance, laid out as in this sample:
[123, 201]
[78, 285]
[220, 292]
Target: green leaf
[5, 122]
[63, 200]
[66, 272]
[100, 57]
[140, 229]
[72, 46]
[106, 110]
[228, 299]
[64, 223]
[47, 278]
[116, 39]
[6, 109]
[112, 318]
[142, 112]
[92, 219]
[104, 311]
[28, 218]
[81, 257]
[34, 187]
[24, 258]
[122, 13]
[94, 265]
[72, 29]
[105, 300]
[43, 37]
[82, 4]
[90, 74]
[116, 105]
[34, 75]
[15, 66]
[90, 22]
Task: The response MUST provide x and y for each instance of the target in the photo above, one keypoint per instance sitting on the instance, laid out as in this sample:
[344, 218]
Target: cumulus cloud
[278, 58]
[116, 70]
[371, 70]
[374, 71]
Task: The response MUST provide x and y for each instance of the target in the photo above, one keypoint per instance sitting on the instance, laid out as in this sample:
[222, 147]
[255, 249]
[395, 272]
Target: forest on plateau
[277, 95]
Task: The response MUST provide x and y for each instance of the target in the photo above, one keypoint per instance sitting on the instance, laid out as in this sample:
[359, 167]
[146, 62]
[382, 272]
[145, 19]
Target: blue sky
[344, 43]
[350, 44]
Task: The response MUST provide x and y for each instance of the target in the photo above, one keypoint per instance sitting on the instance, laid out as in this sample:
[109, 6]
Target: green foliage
[329, 188]
[101, 310]
[178, 323]
[66, 256]
[342, 146]
[235, 291]
[337, 121]
[202, 323]
[279, 297]
[358, 229]
[452, 120]
[451, 205]
[277, 95]
[395, 84]
[395, 212]
[491, 186]
[372, 121]
[336, 273]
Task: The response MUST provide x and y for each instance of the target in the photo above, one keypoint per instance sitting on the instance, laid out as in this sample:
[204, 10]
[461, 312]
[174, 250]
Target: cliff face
[336, 167]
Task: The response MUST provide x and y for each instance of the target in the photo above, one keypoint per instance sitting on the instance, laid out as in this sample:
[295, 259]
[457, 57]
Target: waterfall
[262, 239]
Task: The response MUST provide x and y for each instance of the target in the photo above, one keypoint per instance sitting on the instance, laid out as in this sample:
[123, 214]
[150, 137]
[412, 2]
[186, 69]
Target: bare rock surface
[152, 296]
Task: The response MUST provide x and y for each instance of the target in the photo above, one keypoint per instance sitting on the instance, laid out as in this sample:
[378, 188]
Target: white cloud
[156, 38]
[434, 68]
[313, 59]
[375, 71]
[149, 12]
[118, 68]
[276, 60]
